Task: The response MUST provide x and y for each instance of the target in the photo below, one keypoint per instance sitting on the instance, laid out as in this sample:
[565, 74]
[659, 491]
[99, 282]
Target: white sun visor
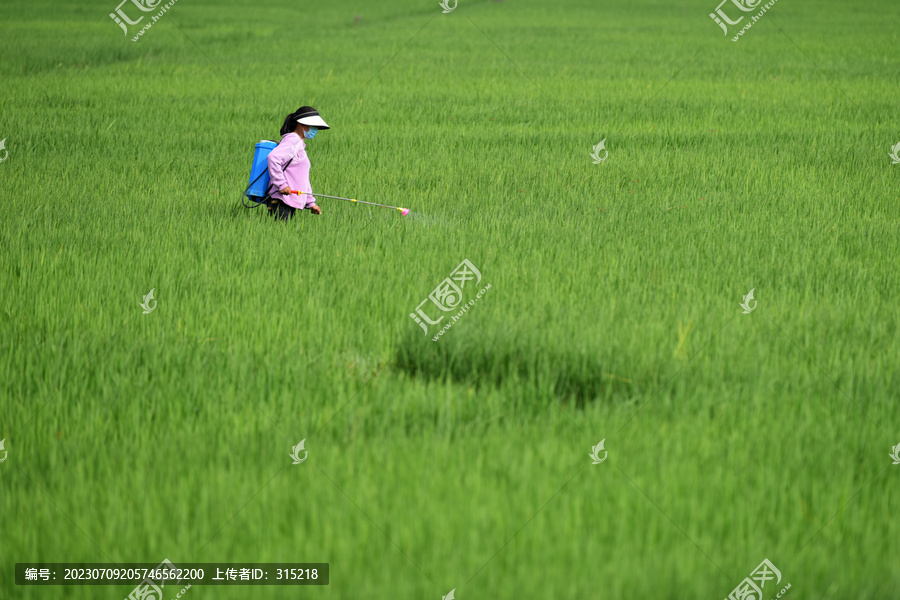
[312, 119]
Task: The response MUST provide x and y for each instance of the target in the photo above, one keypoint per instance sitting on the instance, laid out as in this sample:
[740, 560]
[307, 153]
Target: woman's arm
[311, 202]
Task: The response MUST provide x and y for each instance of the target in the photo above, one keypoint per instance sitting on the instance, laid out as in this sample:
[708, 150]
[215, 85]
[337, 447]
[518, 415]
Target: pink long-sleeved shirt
[296, 176]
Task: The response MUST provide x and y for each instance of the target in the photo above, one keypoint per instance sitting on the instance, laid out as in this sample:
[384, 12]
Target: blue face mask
[311, 133]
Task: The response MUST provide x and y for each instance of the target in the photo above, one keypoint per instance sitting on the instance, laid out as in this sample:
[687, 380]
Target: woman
[289, 164]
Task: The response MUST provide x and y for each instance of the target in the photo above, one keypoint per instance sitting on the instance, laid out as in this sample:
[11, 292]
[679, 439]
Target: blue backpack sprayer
[260, 182]
[258, 190]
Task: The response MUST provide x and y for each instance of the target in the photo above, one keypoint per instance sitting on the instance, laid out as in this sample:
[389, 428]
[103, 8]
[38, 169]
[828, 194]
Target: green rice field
[606, 298]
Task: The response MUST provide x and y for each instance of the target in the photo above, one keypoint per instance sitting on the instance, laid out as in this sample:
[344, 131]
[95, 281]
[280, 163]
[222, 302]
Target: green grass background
[613, 311]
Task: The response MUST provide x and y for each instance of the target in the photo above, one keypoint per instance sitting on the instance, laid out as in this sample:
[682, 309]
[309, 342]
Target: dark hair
[290, 122]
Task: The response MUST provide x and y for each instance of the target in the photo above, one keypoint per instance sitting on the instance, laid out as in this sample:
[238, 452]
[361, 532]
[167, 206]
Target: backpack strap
[282, 170]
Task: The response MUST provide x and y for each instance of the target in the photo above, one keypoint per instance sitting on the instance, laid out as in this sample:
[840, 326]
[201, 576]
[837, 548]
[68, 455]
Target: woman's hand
[286, 190]
[315, 210]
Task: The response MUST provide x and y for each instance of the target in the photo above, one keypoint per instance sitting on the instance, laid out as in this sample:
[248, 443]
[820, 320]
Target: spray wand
[403, 211]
